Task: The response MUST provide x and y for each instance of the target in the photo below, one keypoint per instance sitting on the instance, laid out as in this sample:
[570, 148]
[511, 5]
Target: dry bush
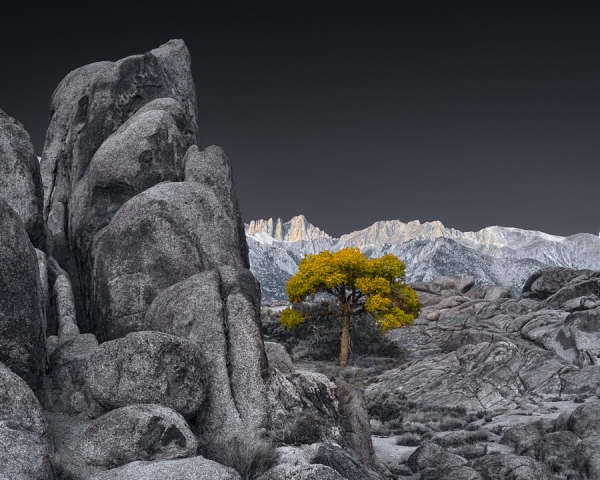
[249, 457]
[408, 440]
[303, 429]
[451, 423]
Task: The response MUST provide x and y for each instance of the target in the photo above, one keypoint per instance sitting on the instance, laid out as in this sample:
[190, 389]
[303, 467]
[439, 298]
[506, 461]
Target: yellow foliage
[376, 285]
[291, 318]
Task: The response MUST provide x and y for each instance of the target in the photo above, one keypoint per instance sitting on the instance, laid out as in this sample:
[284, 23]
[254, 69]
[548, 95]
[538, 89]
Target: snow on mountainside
[494, 255]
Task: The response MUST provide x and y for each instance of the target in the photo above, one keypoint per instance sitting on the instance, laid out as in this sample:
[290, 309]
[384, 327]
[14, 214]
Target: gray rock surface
[89, 106]
[511, 467]
[66, 383]
[194, 468]
[461, 282]
[301, 472]
[451, 473]
[355, 421]
[431, 455]
[342, 462]
[278, 357]
[138, 432]
[218, 311]
[20, 179]
[488, 292]
[22, 322]
[148, 367]
[24, 446]
[158, 238]
[147, 149]
[585, 421]
[211, 168]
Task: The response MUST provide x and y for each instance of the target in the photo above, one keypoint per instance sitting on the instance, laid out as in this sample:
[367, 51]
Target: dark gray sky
[471, 114]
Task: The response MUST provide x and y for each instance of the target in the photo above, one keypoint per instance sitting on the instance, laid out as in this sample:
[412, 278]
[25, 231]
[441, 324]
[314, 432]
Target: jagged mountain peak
[493, 255]
[297, 229]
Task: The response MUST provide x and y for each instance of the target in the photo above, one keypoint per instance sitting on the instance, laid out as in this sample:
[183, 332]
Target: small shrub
[408, 440]
[471, 427]
[249, 457]
[462, 438]
[303, 429]
[451, 423]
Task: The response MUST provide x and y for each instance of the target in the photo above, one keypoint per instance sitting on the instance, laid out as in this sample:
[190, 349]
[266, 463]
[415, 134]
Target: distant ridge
[494, 255]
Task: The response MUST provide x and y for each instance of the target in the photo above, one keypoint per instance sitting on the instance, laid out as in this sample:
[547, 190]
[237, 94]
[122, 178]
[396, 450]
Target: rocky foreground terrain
[493, 256]
[131, 344]
[484, 386]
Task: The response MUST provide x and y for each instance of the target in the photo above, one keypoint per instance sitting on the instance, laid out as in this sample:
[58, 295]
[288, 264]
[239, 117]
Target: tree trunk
[345, 339]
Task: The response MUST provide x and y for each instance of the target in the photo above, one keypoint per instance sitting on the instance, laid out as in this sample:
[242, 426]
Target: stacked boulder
[24, 443]
[127, 305]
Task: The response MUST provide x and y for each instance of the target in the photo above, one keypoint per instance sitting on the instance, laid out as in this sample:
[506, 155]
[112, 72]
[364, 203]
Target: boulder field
[494, 387]
[130, 334]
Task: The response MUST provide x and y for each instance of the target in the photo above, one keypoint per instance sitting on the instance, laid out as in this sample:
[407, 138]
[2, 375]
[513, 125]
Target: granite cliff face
[494, 255]
[130, 335]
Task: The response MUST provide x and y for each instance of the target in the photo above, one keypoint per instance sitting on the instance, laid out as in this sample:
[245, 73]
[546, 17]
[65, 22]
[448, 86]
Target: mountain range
[494, 255]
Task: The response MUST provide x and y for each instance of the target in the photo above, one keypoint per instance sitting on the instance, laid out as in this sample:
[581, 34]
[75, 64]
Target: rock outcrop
[20, 179]
[135, 319]
[24, 446]
[196, 468]
[148, 367]
[22, 321]
[97, 112]
[138, 432]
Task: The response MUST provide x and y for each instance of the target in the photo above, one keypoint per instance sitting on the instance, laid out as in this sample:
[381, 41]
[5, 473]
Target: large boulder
[511, 467]
[211, 168]
[278, 357]
[431, 455]
[585, 420]
[489, 292]
[20, 179]
[218, 310]
[461, 282]
[301, 472]
[138, 432]
[24, 446]
[148, 367]
[547, 281]
[89, 106]
[158, 238]
[22, 322]
[194, 468]
[145, 150]
[342, 462]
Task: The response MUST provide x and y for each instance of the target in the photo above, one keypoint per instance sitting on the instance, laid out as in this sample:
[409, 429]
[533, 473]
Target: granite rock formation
[20, 179]
[126, 300]
[22, 320]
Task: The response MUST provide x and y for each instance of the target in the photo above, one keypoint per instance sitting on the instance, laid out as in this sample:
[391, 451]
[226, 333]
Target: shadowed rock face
[22, 322]
[138, 432]
[148, 367]
[160, 237]
[24, 447]
[87, 176]
[218, 311]
[20, 180]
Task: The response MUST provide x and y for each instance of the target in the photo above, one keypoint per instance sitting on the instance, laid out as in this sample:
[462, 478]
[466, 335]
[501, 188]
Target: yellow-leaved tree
[359, 284]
